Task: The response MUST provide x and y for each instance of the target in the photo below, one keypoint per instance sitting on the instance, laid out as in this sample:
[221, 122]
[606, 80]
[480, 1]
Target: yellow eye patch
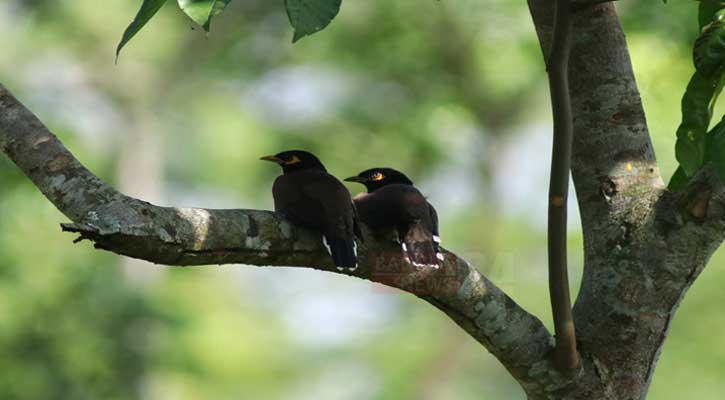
[293, 160]
[377, 177]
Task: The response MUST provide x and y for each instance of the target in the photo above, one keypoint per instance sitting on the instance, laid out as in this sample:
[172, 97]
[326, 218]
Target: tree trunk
[644, 245]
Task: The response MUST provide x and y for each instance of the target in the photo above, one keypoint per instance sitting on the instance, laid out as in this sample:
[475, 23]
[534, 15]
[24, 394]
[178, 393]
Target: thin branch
[195, 236]
[565, 355]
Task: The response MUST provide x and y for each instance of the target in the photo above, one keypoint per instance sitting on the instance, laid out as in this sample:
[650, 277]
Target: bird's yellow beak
[357, 179]
[272, 159]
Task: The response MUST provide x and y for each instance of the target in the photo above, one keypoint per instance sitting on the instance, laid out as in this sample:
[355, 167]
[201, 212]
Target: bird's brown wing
[338, 217]
[336, 205]
[356, 223]
[291, 201]
[316, 200]
[414, 219]
[370, 210]
[412, 205]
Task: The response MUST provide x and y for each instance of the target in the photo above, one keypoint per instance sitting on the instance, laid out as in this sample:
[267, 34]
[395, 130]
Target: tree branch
[195, 236]
[565, 353]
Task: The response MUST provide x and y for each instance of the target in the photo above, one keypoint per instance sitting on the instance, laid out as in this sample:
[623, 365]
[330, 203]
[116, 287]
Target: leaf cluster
[305, 16]
[696, 145]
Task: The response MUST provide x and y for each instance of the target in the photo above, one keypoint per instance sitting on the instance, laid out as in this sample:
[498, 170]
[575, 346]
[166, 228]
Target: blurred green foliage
[454, 93]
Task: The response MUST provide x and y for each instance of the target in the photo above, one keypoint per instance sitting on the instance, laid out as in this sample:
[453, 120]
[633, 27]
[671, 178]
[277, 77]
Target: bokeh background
[454, 93]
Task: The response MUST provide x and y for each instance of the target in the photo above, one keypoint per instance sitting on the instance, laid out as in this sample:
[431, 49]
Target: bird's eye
[293, 160]
[377, 177]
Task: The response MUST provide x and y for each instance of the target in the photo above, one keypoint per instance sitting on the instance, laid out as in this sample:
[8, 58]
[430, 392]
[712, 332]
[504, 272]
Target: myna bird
[392, 202]
[310, 197]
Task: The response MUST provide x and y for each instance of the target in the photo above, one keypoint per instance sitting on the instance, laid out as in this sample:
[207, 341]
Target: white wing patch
[327, 246]
[439, 255]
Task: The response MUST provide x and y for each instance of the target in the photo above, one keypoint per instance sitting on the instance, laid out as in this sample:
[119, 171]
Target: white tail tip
[420, 265]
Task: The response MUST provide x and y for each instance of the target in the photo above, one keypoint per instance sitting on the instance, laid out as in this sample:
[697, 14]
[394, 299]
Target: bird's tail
[420, 247]
[343, 252]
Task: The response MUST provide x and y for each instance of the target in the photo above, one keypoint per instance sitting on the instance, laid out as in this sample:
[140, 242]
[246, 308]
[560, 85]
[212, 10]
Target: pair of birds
[307, 195]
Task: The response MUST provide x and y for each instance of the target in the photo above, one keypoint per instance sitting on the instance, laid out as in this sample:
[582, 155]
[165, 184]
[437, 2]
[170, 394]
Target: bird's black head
[375, 178]
[296, 160]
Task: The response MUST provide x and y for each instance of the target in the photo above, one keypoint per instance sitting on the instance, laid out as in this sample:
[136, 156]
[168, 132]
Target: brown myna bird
[310, 197]
[392, 202]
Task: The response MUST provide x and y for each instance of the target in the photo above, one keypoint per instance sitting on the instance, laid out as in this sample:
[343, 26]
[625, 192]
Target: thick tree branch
[565, 353]
[194, 236]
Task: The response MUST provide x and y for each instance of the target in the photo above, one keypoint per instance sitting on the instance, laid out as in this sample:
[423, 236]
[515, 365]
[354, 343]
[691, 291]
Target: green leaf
[202, 11]
[696, 114]
[714, 152]
[690, 153]
[709, 50]
[697, 102]
[148, 10]
[678, 181]
[707, 10]
[310, 16]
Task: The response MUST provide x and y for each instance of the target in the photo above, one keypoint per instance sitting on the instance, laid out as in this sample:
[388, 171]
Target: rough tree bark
[644, 246]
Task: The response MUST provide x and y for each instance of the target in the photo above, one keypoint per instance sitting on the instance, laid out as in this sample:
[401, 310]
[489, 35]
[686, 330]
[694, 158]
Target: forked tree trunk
[644, 246]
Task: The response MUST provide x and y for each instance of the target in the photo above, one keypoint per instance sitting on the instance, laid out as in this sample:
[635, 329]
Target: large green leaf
[690, 152]
[707, 10]
[310, 16]
[202, 11]
[695, 146]
[696, 115]
[148, 10]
